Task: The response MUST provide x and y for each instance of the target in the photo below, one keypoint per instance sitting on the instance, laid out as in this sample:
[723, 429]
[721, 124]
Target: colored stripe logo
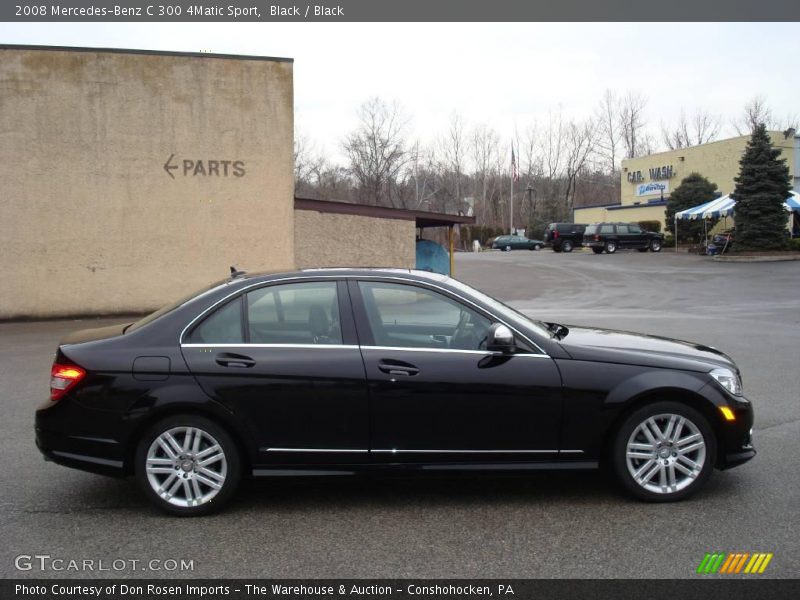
[734, 562]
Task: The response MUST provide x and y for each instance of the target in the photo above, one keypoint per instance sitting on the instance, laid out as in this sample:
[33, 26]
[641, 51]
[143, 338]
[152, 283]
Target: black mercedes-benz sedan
[341, 371]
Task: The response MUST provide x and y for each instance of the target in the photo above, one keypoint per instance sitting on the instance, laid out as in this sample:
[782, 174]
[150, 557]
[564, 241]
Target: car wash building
[647, 181]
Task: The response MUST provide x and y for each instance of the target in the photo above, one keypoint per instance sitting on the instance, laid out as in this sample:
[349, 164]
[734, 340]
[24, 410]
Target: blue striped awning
[723, 207]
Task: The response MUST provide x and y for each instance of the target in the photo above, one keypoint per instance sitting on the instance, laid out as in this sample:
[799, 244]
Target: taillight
[596, 238]
[63, 378]
[555, 234]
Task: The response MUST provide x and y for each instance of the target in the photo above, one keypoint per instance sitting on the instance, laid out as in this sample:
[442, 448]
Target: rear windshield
[590, 229]
[172, 306]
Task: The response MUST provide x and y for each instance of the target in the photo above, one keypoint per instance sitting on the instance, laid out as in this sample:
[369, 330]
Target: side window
[223, 326]
[606, 229]
[623, 229]
[406, 316]
[294, 313]
[634, 229]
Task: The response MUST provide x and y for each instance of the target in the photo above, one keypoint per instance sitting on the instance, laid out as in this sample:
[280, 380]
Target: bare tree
[485, 156]
[701, 129]
[632, 124]
[376, 149]
[756, 111]
[453, 150]
[580, 143]
[609, 130]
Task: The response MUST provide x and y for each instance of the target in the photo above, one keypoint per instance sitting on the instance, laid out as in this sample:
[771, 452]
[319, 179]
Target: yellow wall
[623, 215]
[92, 222]
[717, 161]
[339, 240]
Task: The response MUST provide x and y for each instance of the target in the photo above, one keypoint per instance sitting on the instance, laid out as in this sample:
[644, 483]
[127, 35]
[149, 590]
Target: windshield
[504, 310]
[172, 306]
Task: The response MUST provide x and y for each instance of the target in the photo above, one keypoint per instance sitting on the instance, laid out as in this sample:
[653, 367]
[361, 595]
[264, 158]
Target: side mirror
[500, 339]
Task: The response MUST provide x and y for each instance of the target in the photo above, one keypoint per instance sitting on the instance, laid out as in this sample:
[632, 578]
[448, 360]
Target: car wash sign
[204, 167]
[654, 188]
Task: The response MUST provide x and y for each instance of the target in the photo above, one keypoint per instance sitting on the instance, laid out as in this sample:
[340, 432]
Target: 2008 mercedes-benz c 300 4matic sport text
[341, 371]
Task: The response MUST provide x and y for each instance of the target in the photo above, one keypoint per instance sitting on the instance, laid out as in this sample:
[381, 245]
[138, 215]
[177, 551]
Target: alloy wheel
[186, 466]
[665, 453]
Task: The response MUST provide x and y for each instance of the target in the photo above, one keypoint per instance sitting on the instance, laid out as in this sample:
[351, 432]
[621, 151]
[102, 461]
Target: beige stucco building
[647, 181]
[130, 178]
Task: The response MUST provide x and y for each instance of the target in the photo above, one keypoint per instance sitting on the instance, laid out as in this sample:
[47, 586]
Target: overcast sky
[503, 75]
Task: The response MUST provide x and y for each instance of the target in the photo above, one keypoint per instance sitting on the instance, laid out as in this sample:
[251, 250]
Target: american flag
[514, 170]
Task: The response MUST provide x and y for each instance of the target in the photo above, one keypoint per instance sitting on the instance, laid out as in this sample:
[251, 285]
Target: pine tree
[692, 191]
[761, 189]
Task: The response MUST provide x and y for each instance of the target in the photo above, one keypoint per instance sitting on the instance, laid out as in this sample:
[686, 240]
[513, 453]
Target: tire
[597, 250]
[672, 470]
[557, 248]
[610, 247]
[655, 245]
[507, 249]
[199, 435]
[566, 246]
[537, 247]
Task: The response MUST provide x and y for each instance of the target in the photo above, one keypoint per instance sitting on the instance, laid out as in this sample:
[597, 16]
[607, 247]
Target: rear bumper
[75, 436]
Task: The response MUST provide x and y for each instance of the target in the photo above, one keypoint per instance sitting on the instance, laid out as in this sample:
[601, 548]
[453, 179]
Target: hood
[607, 345]
[91, 335]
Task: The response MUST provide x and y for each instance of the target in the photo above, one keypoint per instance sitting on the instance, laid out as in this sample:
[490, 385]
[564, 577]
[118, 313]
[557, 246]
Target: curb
[754, 259]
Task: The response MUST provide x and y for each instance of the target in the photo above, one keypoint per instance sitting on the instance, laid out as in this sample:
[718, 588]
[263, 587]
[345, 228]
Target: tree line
[561, 162]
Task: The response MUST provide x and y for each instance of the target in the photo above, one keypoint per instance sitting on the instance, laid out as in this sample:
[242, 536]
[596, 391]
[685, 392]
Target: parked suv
[563, 237]
[621, 236]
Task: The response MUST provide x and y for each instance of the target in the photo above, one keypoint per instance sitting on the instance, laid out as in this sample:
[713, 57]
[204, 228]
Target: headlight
[729, 380]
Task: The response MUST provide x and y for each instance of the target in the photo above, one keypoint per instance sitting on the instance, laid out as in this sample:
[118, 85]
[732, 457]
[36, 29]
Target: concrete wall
[340, 240]
[93, 222]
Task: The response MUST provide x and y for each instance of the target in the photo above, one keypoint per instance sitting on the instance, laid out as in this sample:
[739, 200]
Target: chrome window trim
[357, 278]
[305, 346]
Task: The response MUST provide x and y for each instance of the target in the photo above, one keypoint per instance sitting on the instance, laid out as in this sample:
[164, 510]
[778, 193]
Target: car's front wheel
[187, 465]
[664, 451]
[507, 249]
[655, 246]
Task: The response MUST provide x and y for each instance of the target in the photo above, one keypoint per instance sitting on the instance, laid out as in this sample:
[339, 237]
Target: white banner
[654, 188]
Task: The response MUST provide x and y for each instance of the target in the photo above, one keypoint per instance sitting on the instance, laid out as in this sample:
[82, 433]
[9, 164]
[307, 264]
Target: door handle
[228, 359]
[396, 367]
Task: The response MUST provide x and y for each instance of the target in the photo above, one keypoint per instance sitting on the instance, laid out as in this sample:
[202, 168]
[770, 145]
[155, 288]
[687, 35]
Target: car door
[436, 394]
[284, 357]
[623, 236]
[638, 237]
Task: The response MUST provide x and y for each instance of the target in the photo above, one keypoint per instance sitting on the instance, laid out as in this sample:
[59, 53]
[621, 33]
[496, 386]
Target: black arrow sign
[168, 167]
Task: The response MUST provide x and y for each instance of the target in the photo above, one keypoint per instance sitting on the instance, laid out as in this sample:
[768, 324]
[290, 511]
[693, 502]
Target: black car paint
[625, 241]
[558, 398]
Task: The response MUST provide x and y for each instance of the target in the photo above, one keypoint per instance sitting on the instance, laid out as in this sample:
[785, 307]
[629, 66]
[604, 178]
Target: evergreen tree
[761, 189]
[693, 190]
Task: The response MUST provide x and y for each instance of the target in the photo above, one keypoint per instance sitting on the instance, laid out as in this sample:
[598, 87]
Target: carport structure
[365, 235]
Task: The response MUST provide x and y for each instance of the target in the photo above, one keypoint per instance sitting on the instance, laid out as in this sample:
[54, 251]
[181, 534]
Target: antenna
[236, 273]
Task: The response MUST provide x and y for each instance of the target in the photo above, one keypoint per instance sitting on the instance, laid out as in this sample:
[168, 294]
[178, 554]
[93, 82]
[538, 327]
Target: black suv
[621, 236]
[563, 237]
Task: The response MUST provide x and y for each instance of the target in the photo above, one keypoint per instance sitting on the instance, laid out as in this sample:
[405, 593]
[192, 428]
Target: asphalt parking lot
[548, 525]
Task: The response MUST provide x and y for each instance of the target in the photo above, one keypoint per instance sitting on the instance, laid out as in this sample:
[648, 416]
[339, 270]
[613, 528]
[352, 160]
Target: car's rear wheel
[537, 246]
[664, 451]
[597, 250]
[610, 247]
[507, 249]
[655, 245]
[187, 465]
[566, 246]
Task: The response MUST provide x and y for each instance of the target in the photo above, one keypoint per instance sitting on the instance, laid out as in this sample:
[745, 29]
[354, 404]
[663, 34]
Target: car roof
[343, 272]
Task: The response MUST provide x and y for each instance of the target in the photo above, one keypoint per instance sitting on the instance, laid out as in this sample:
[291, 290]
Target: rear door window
[606, 229]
